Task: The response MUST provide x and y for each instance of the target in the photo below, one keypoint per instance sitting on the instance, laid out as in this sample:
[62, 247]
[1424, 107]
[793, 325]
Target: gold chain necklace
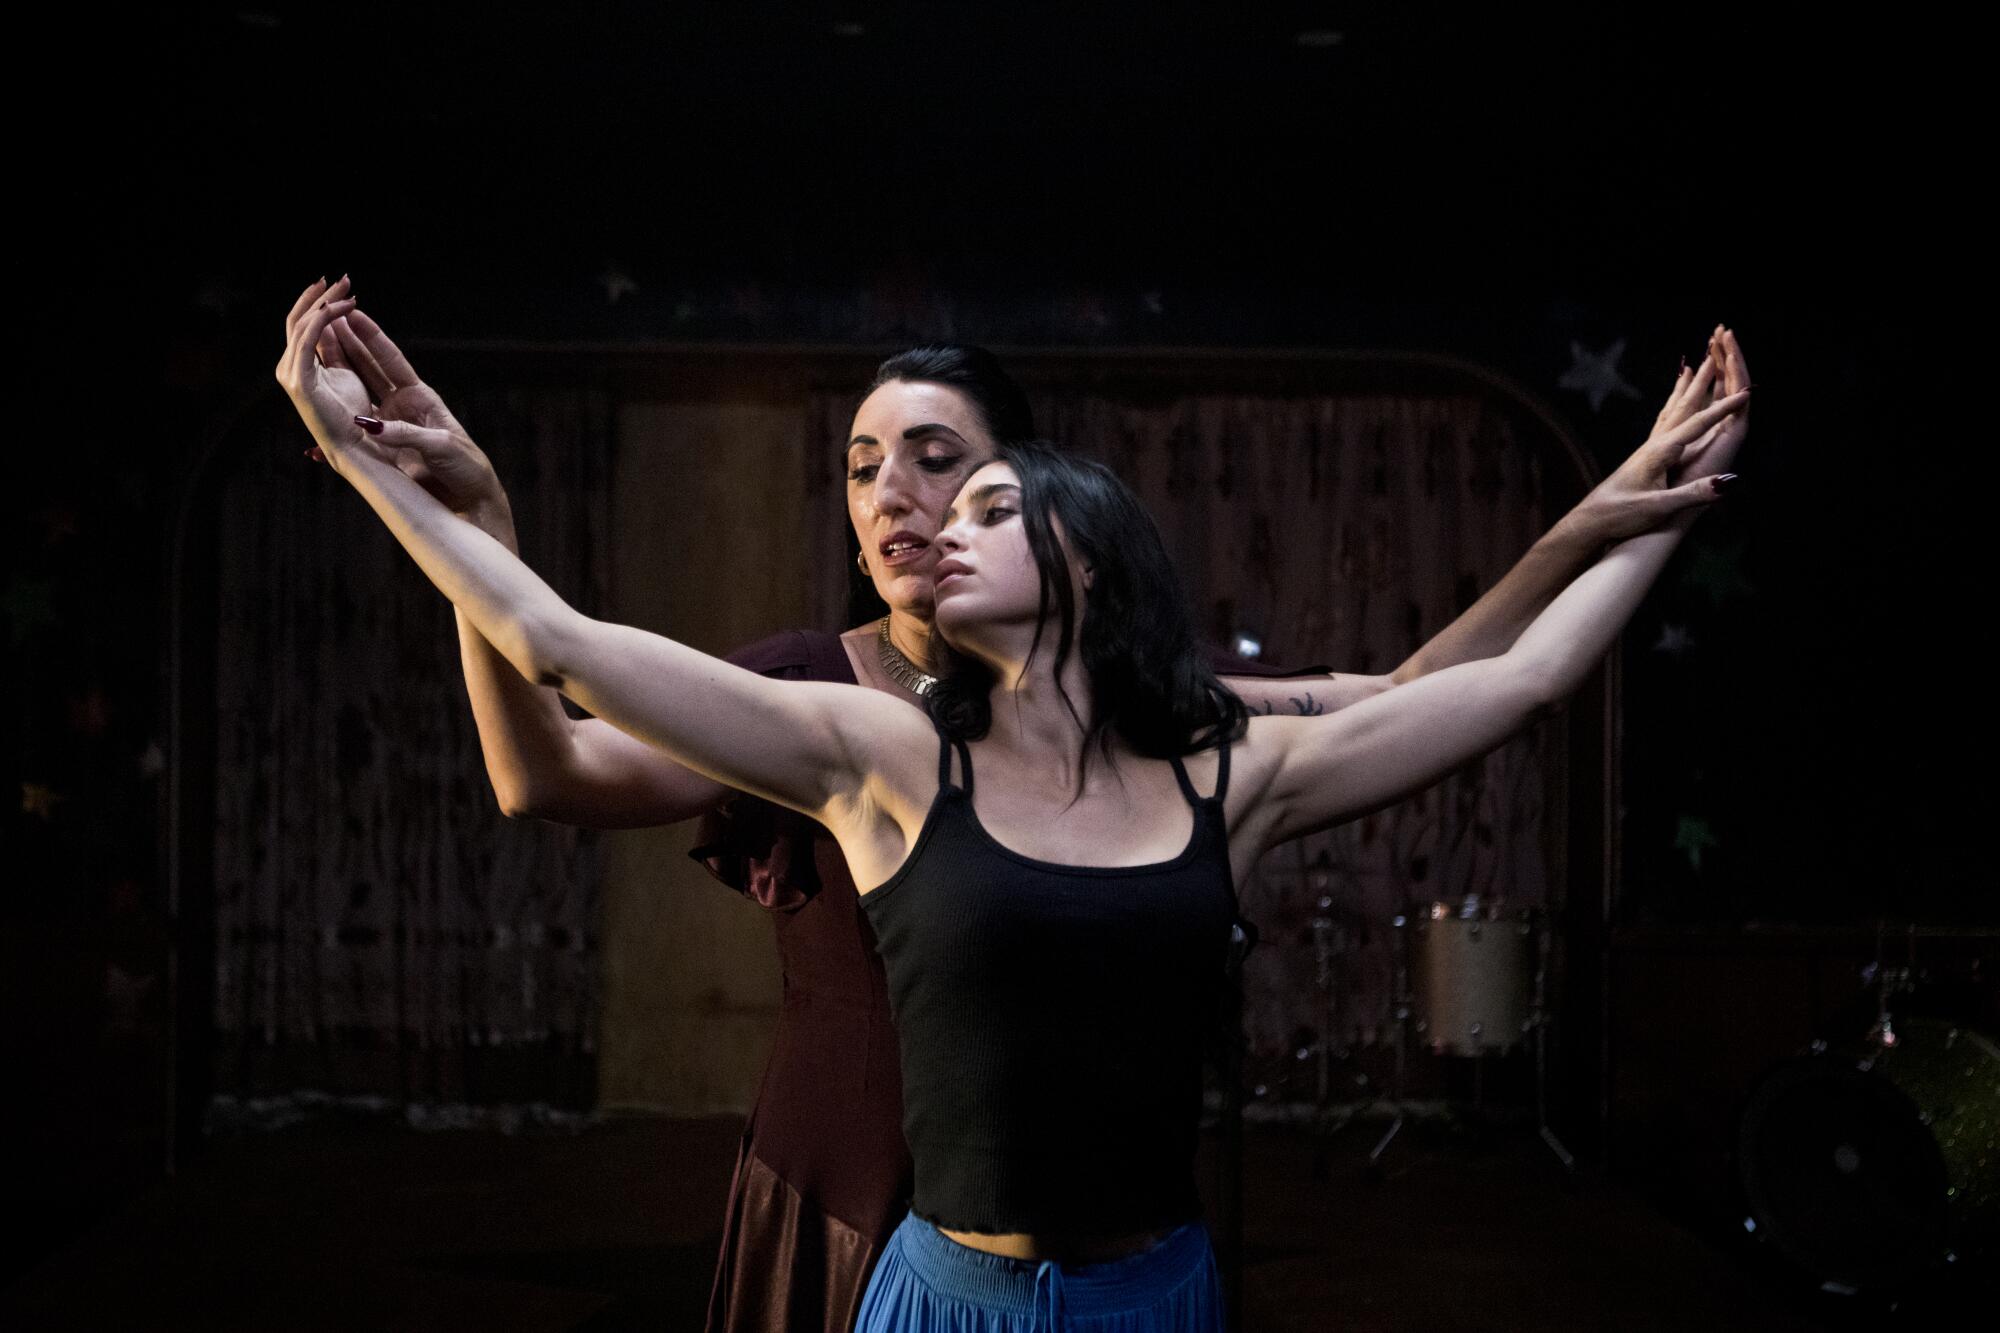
[900, 668]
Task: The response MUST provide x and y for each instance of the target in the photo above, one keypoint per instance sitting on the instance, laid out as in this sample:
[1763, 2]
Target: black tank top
[1052, 1021]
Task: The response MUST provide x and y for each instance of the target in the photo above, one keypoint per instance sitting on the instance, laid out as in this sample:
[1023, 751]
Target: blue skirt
[928, 1283]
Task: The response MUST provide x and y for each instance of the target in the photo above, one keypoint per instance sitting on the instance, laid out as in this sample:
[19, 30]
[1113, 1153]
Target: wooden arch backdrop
[1338, 506]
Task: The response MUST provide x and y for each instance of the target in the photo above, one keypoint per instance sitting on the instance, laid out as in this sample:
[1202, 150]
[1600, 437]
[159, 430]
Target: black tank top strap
[1221, 776]
[945, 747]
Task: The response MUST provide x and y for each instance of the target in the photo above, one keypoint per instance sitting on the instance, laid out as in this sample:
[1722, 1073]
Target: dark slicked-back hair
[1150, 682]
[974, 372]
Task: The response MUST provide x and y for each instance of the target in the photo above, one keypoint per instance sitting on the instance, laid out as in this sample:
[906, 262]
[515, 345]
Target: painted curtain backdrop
[381, 929]
[1343, 529]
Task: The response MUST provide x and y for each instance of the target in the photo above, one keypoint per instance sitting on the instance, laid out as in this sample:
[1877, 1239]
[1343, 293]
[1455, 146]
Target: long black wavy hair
[1150, 683]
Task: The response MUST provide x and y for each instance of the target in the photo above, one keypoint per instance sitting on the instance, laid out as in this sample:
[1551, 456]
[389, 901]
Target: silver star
[616, 283]
[1717, 569]
[1595, 374]
[1692, 836]
[1674, 640]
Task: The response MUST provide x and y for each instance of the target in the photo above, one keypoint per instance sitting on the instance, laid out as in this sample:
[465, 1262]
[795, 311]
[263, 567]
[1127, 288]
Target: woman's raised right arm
[816, 748]
[545, 764]
[542, 763]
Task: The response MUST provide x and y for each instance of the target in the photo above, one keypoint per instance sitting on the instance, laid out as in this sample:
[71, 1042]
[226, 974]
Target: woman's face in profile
[911, 447]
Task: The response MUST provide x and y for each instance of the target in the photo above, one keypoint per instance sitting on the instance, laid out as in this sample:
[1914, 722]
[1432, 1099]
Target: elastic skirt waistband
[961, 1273]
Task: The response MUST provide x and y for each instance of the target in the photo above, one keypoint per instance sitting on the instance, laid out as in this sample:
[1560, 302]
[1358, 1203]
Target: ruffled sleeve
[761, 850]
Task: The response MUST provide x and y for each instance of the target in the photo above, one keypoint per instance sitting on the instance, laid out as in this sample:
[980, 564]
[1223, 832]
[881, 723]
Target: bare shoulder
[893, 744]
[1256, 762]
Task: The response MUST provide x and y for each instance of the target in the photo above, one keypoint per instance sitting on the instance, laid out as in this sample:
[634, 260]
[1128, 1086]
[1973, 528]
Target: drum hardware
[1464, 985]
[1873, 1165]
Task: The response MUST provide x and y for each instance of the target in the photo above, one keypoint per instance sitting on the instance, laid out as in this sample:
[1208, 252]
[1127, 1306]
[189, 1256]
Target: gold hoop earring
[861, 562]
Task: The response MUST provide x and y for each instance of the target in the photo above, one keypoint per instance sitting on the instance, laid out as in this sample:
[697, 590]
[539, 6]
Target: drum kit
[1873, 1164]
[1472, 983]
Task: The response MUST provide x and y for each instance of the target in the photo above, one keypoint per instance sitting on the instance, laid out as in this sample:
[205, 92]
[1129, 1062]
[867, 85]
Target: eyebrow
[917, 432]
[979, 496]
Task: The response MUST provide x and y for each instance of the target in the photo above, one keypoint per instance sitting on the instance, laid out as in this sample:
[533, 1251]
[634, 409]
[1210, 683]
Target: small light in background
[1248, 647]
[1318, 39]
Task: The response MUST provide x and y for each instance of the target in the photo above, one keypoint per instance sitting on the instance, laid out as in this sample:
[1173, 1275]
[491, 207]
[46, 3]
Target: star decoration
[747, 302]
[616, 282]
[30, 605]
[1717, 569]
[39, 799]
[89, 711]
[1086, 310]
[59, 522]
[1692, 837]
[1674, 641]
[218, 296]
[1595, 374]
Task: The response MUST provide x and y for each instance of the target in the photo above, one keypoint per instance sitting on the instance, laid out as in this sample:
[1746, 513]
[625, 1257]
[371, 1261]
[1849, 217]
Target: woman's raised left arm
[1630, 501]
[1307, 773]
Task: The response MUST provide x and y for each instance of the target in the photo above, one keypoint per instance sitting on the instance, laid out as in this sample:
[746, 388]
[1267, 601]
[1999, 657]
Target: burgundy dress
[823, 1176]
[822, 1173]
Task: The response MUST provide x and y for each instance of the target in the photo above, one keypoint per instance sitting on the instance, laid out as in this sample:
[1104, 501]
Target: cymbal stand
[1540, 1020]
[1403, 1003]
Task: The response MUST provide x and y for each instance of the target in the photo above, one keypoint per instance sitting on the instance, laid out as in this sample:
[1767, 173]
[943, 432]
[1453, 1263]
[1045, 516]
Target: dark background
[1492, 186]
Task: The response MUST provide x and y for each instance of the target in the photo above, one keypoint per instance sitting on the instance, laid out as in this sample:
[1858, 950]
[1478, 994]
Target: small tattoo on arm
[1303, 705]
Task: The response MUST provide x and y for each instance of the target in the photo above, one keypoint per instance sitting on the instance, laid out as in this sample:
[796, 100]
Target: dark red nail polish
[1684, 365]
[1721, 484]
[369, 424]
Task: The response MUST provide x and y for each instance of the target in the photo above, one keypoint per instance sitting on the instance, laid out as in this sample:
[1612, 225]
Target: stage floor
[372, 1226]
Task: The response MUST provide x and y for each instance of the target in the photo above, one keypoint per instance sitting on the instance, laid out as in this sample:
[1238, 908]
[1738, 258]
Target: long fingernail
[1684, 365]
[1722, 482]
[369, 424]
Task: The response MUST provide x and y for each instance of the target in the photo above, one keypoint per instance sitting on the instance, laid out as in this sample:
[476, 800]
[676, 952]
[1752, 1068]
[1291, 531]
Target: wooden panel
[702, 550]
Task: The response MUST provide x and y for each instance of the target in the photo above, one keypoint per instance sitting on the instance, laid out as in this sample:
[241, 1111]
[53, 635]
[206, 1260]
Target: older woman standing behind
[822, 1176]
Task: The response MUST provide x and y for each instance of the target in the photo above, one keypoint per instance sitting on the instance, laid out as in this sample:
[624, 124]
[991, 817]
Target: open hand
[419, 433]
[328, 397]
[1715, 452]
[1683, 465]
